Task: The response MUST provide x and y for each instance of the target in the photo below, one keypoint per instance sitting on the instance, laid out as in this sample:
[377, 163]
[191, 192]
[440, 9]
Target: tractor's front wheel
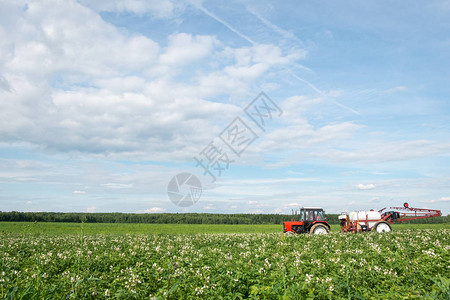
[382, 227]
[319, 229]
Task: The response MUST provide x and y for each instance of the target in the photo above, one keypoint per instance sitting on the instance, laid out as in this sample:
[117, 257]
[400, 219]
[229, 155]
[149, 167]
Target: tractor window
[302, 215]
[320, 216]
[310, 216]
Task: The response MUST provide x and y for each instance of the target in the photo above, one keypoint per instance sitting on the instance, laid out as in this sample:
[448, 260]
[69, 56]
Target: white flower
[308, 278]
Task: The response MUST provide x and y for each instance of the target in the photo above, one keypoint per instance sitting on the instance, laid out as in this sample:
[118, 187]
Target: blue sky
[103, 103]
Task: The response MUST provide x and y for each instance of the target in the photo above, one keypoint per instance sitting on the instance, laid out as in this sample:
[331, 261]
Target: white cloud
[184, 48]
[91, 209]
[244, 66]
[79, 192]
[299, 134]
[29, 202]
[154, 210]
[4, 84]
[442, 199]
[158, 9]
[369, 186]
[74, 42]
[118, 104]
[252, 202]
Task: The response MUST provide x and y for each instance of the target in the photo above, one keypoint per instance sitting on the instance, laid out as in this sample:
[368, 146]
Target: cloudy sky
[103, 102]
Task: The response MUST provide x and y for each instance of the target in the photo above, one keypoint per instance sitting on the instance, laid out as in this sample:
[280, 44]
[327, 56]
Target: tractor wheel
[382, 227]
[319, 229]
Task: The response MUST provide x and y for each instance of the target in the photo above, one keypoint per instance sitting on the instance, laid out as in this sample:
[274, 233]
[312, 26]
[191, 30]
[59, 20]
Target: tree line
[170, 218]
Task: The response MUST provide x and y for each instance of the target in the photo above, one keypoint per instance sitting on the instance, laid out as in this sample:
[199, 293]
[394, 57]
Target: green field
[176, 261]
[114, 228]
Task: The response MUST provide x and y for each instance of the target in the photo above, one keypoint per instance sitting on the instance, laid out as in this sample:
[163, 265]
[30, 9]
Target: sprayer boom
[406, 213]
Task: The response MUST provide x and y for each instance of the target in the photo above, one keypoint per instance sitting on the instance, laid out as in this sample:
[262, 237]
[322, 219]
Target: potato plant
[402, 264]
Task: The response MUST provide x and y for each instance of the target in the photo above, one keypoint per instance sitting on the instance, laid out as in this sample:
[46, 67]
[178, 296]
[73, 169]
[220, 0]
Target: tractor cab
[310, 214]
[307, 220]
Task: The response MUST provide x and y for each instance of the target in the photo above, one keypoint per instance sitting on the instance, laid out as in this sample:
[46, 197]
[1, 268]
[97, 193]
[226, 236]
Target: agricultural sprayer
[380, 221]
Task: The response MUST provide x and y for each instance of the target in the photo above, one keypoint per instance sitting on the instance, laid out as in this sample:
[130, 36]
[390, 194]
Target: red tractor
[308, 220]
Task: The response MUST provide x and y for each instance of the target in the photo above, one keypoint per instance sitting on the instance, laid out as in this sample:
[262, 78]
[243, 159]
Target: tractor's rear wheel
[382, 227]
[319, 229]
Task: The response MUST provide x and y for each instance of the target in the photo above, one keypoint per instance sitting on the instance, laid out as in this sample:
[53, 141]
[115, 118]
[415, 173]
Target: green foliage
[397, 265]
[121, 229]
